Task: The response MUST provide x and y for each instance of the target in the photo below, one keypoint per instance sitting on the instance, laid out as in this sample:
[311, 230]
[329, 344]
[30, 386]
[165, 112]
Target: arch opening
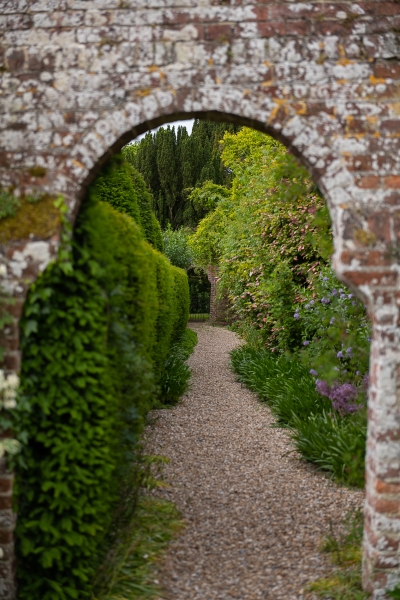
[101, 163]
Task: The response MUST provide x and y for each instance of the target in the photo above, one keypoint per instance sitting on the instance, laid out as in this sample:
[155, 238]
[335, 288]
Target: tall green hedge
[97, 328]
[124, 188]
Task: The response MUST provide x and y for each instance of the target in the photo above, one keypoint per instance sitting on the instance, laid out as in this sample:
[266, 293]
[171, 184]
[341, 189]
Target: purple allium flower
[358, 373]
[305, 343]
[339, 354]
[349, 351]
[340, 291]
[331, 322]
[313, 372]
[324, 279]
[353, 303]
[350, 296]
[334, 292]
[325, 300]
[296, 316]
[343, 296]
[307, 306]
[343, 396]
[312, 302]
[323, 387]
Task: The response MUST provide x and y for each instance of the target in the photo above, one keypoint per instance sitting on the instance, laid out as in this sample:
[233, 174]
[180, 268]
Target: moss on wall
[40, 218]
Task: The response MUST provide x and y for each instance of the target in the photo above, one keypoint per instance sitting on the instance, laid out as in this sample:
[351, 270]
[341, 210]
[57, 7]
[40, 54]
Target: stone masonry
[80, 78]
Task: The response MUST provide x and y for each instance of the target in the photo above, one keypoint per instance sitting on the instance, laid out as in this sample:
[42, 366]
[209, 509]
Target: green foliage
[114, 185]
[259, 234]
[336, 330]
[69, 415]
[203, 199]
[176, 376]
[151, 226]
[9, 204]
[97, 329]
[155, 524]
[395, 593]
[177, 247]
[181, 303]
[173, 163]
[143, 526]
[122, 186]
[344, 547]
[334, 442]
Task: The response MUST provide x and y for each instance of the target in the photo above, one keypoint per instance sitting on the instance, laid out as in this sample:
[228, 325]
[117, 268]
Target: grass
[334, 443]
[176, 376]
[131, 573]
[144, 525]
[199, 317]
[143, 528]
[345, 551]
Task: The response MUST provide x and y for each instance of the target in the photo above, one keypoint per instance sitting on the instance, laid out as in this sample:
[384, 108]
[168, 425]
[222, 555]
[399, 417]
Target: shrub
[335, 331]
[176, 376]
[97, 329]
[122, 186]
[177, 248]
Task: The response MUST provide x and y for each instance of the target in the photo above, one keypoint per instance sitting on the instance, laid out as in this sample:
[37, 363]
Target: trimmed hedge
[122, 186]
[97, 329]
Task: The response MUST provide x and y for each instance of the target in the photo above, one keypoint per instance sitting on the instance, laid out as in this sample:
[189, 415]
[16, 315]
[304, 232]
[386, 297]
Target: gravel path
[255, 514]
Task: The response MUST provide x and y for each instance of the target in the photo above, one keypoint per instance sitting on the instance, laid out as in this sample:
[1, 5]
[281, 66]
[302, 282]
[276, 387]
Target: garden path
[255, 514]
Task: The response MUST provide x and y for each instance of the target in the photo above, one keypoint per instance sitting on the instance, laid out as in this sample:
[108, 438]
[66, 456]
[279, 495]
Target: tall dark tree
[172, 164]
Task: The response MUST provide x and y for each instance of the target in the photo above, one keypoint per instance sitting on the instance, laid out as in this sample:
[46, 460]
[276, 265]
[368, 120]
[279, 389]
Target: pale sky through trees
[187, 123]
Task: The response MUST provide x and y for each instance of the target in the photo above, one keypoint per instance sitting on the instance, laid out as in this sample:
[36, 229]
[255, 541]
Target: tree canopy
[173, 163]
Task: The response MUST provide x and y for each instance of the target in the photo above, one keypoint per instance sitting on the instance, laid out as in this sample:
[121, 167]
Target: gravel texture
[255, 513]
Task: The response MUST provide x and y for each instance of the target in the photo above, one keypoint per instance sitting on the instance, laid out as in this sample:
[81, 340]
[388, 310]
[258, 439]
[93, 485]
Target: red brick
[221, 32]
[6, 537]
[379, 225]
[387, 70]
[359, 162]
[390, 126]
[392, 181]
[6, 484]
[384, 9]
[5, 502]
[271, 29]
[370, 182]
[382, 487]
[299, 27]
[374, 278]
[383, 506]
[330, 28]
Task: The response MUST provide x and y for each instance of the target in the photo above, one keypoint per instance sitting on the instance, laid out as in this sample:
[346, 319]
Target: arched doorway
[81, 81]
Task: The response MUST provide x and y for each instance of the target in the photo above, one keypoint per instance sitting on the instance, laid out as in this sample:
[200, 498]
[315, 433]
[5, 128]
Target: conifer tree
[172, 164]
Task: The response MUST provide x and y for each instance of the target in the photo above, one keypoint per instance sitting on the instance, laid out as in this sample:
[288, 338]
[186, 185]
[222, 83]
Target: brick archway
[81, 78]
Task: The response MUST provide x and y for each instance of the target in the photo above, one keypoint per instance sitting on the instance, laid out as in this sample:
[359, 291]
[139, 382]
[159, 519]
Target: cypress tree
[173, 164]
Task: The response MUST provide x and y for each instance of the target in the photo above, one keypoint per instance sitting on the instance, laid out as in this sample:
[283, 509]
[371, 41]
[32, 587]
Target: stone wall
[79, 78]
